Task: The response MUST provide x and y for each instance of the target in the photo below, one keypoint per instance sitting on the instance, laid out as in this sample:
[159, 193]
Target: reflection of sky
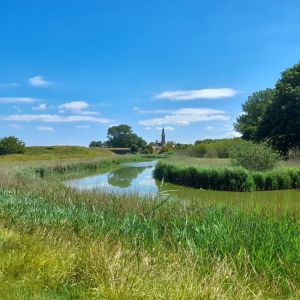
[143, 184]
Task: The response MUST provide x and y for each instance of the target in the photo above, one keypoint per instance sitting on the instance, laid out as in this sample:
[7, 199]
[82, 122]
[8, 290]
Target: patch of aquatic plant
[227, 178]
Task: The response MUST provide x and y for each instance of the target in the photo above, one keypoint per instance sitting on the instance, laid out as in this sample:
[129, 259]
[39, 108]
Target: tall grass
[57, 243]
[227, 178]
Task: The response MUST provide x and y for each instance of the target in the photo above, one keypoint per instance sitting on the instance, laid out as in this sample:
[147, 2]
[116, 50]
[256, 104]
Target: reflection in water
[138, 178]
[123, 177]
[129, 178]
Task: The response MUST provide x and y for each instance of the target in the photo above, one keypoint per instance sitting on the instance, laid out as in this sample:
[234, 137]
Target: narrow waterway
[137, 178]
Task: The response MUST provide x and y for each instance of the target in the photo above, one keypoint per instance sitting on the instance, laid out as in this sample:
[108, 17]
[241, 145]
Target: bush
[256, 157]
[11, 145]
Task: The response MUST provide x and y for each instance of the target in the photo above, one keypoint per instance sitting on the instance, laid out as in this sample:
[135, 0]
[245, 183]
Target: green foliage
[212, 148]
[253, 113]
[97, 144]
[147, 149]
[294, 154]
[123, 137]
[256, 157]
[11, 145]
[228, 179]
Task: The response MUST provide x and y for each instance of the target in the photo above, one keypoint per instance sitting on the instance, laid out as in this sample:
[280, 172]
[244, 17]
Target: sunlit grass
[55, 152]
[57, 243]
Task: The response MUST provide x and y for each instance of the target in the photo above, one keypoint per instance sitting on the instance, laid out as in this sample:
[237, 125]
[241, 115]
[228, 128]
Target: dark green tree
[11, 145]
[281, 122]
[122, 136]
[253, 113]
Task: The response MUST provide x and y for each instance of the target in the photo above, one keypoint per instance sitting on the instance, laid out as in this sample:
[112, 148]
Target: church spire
[163, 137]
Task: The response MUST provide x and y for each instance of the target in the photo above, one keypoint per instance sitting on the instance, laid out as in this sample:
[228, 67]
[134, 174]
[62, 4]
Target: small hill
[56, 152]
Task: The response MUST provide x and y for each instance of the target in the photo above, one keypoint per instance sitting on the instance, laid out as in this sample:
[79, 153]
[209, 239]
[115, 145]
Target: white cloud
[8, 85]
[209, 128]
[39, 81]
[76, 107]
[186, 116]
[148, 128]
[167, 128]
[17, 100]
[52, 118]
[197, 94]
[154, 111]
[83, 126]
[45, 128]
[40, 107]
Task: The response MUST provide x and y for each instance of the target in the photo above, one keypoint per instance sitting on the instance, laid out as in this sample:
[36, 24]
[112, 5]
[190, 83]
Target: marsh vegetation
[59, 242]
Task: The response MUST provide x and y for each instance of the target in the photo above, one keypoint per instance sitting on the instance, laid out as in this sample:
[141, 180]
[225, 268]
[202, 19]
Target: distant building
[160, 145]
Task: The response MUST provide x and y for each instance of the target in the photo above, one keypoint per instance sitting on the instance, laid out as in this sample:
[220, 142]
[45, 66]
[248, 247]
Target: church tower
[163, 137]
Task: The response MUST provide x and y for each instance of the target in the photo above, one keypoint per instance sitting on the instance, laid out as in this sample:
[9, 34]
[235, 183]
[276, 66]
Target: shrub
[256, 157]
[11, 145]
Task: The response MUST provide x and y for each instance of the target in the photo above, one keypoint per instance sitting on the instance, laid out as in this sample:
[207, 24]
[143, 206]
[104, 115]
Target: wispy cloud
[196, 94]
[40, 107]
[52, 118]
[83, 126]
[8, 85]
[17, 100]
[154, 111]
[77, 107]
[186, 116]
[45, 128]
[39, 81]
[209, 128]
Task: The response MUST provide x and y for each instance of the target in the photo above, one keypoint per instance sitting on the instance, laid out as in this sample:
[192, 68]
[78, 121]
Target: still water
[129, 178]
[137, 178]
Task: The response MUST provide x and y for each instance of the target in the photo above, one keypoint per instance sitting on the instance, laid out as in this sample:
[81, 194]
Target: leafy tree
[123, 137]
[254, 109]
[281, 122]
[11, 145]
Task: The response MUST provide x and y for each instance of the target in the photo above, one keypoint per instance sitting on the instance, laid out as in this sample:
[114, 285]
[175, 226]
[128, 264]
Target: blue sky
[71, 69]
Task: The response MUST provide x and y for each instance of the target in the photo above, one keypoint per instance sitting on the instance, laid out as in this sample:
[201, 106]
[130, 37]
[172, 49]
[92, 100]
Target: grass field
[55, 152]
[57, 243]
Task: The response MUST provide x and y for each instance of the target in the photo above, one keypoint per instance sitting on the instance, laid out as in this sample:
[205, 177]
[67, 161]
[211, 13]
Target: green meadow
[59, 243]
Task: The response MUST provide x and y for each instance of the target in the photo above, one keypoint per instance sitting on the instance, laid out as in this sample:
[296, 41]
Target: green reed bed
[57, 243]
[226, 177]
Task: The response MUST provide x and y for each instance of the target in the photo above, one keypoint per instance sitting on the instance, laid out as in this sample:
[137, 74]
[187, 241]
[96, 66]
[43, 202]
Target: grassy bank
[218, 174]
[57, 243]
[55, 152]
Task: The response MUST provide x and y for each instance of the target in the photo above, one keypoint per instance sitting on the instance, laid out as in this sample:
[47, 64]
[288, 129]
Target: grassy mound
[55, 152]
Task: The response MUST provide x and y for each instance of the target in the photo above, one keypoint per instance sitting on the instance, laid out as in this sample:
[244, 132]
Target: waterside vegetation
[61, 243]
